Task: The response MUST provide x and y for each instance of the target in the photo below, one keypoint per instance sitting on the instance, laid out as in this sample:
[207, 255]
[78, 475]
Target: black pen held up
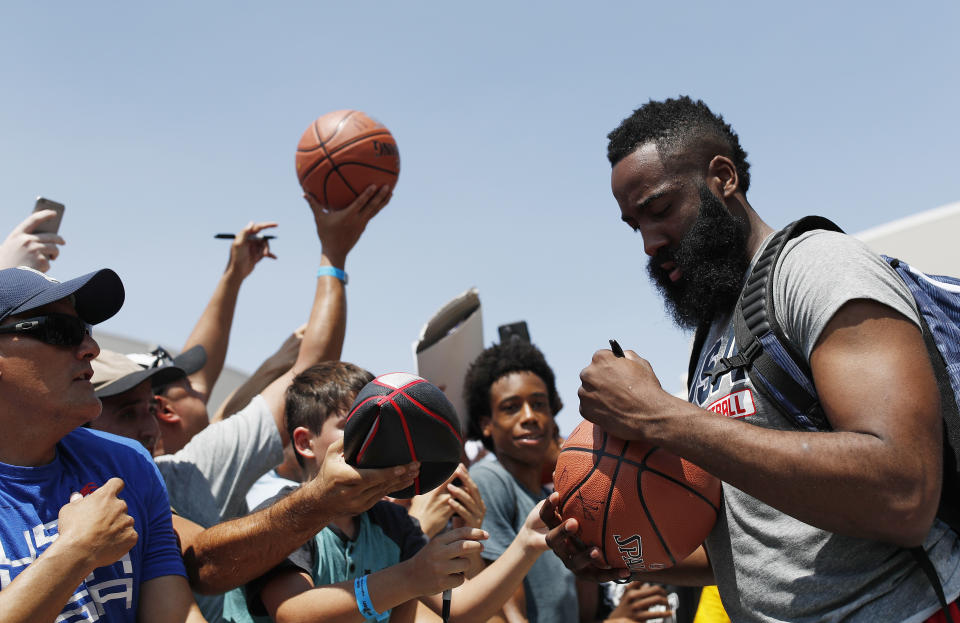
[615, 347]
[232, 236]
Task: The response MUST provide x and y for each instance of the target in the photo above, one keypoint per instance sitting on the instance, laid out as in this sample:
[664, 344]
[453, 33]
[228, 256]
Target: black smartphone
[456, 482]
[53, 225]
[514, 330]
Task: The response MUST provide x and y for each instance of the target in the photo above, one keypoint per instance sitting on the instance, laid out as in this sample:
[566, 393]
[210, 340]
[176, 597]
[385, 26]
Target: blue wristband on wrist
[363, 601]
[332, 271]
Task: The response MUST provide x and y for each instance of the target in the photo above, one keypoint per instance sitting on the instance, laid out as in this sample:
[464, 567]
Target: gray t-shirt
[549, 587]
[208, 478]
[768, 565]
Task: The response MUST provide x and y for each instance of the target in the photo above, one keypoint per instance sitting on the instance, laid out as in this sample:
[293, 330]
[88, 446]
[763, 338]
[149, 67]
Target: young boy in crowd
[512, 400]
[378, 564]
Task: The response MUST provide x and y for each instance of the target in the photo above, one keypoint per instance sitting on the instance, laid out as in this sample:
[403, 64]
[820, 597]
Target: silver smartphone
[53, 225]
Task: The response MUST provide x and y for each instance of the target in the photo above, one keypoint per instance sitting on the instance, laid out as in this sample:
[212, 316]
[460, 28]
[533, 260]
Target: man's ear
[166, 413]
[303, 442]
[722, 177]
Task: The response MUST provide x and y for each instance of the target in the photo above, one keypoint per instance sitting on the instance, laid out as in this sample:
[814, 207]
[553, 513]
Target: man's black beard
[713, 260]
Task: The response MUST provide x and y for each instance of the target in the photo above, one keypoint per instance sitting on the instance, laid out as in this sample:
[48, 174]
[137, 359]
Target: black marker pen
[232, 236]
[615, 347]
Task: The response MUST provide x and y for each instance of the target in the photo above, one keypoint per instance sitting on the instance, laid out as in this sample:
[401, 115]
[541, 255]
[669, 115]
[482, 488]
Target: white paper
[448, 344]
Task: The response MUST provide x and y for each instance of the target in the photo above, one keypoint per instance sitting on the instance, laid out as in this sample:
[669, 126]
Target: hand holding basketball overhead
[340, 230]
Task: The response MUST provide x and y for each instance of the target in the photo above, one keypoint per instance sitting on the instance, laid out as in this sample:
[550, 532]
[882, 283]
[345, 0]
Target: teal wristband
[332, 271]
[364, 605]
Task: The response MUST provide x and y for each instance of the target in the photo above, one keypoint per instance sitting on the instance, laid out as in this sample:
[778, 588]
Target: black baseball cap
[97, 295]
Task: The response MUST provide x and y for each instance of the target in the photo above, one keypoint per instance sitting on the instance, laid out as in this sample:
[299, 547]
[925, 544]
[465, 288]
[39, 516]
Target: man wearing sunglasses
[85, 531]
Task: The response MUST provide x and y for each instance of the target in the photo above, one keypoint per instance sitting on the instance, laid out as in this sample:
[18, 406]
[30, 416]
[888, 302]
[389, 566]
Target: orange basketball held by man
[644, 508]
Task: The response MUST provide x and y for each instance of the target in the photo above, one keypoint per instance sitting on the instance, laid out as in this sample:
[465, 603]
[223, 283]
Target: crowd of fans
[323, 542]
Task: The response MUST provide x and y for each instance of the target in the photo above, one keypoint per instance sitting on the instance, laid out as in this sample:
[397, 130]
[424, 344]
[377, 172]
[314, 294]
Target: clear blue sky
[161, 124]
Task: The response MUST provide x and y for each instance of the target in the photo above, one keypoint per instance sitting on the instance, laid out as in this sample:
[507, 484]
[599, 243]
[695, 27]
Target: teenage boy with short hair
[378, 563]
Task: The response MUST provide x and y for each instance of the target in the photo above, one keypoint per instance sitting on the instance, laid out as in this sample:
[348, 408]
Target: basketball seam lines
[357, 408]
[606, 510]
[333, 163]
[433, 415]
[396, 390]
[647, 468]
[373, 434]
[413, 453]
[399, 391]
[576, 487]
[341, 147]
[335, 168]
[650, 520]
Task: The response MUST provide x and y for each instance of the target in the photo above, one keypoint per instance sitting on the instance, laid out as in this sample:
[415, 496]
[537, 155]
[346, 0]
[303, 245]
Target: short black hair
[683, 130]
[321, 391]
[498, 361]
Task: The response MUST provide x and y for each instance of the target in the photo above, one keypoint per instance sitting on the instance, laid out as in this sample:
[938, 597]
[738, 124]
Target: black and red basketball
[342, 153]
[398, 418]
[645, 508]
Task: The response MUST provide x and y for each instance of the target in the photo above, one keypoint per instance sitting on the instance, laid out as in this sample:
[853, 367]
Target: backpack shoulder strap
[698, 339]
[775, 366]
[926, 565]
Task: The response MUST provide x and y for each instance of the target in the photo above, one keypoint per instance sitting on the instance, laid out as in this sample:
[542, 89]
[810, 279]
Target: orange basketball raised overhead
[342, 153]
[645, 508]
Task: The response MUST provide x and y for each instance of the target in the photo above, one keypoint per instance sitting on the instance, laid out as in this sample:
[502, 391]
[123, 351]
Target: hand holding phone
[34, 242]
[52, 225]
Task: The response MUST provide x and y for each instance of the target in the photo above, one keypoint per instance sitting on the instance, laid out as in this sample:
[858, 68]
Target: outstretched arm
[338, 232]
[877, 475]
[221, 557]
[482, 596]
[212, 330]
[291, 598]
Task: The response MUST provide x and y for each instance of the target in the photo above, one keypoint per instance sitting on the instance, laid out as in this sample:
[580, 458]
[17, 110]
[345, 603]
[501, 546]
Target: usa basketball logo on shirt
[736, 404]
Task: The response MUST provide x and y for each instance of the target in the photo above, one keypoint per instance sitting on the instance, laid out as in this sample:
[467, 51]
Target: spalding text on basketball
[631, 551]
[385, 149]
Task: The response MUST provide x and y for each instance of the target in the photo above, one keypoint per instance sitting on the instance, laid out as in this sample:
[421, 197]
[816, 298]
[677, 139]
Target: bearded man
[815, 526]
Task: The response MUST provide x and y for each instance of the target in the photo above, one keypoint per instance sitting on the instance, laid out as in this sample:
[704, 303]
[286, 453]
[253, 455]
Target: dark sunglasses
[55, 329]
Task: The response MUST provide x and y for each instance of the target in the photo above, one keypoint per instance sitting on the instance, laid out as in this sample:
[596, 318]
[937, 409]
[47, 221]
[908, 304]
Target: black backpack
[781, 373]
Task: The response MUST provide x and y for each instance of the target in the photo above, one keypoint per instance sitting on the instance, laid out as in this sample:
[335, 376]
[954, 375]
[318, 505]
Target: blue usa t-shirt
[31, 498]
